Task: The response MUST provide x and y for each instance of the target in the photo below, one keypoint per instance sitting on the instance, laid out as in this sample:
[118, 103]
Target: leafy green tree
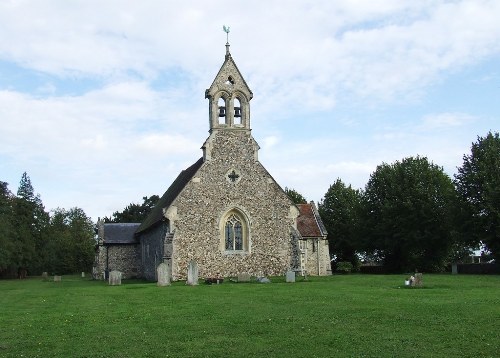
[408, 215]
[31, 223]
[71, 248]
[6, 228]
[295, 196]
[339, 210]
[478, 186]
[134, 213]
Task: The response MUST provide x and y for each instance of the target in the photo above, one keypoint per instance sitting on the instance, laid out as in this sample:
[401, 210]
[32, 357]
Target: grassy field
[337, 316]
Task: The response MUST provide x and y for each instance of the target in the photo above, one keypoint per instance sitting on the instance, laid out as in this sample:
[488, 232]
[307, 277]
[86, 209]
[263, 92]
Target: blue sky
[103, 103]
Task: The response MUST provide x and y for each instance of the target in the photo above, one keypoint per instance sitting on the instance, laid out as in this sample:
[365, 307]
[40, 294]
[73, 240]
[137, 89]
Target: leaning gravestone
[192, 279]
[163, 273]
[57, 278]
[418, 280]
[115, 278]
[290, 276]
[263, 280]
[244, 277]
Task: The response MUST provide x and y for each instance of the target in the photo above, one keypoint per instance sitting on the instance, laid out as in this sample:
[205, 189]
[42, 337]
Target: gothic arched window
[234, 232]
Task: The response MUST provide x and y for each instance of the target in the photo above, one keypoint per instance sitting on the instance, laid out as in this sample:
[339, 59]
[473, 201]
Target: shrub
[344, 267]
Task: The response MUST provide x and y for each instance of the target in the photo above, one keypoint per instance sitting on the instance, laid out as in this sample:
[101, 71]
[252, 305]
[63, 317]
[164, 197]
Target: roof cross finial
[226, 30]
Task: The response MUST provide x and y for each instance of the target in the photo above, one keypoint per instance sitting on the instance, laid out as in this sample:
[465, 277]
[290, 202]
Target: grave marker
[192, 279]
[115, 278]
[163, 273]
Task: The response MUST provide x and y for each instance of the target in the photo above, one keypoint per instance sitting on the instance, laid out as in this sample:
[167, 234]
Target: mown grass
[337, 316]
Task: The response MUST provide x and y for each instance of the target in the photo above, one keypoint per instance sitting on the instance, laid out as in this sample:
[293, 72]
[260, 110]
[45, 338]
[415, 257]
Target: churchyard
[335, 316]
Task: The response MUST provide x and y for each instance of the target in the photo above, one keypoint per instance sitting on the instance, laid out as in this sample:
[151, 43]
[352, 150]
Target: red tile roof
[309, 222]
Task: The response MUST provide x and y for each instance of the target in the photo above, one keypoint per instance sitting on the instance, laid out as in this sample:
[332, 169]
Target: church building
[225, 212]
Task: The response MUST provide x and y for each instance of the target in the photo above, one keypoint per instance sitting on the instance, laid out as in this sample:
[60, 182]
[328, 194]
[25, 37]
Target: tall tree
[408, 215]
[6, 228]
[478, 185]
[295, 196]
[31, 226]
[134, 213]
[71, 248]
[339, 210]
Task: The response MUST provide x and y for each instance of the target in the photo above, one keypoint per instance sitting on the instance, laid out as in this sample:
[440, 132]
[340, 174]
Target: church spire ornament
[226, 30]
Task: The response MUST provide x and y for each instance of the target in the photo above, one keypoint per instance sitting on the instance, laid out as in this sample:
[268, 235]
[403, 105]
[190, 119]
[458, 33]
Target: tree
[31, 227]
[71, 248]
[478, 186]
[339, 210]
[6, 228]
[408, 215]
[295, 196]
[134, 213]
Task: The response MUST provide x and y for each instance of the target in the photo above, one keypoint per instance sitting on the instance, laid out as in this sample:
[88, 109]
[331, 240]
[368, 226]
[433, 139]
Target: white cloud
[446, 120]
[304, 61]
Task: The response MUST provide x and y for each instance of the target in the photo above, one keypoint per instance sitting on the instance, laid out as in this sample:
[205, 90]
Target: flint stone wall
[210, 195]
[123, 258]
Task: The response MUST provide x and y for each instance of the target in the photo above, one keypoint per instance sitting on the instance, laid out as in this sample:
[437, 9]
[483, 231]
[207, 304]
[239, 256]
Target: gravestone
[115, 278]
[83, 274]
[192, 279]
[290, 276]
[57, 278]
[244, 277]
[163, 273]
[454, 268]
[263, 280]
[45, 276]
[418, 280]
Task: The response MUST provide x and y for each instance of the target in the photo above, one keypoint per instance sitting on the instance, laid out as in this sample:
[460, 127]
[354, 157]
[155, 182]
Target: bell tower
[229, 97]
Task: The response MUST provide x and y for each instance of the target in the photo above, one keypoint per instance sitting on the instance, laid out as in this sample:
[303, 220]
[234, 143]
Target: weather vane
[226, 30]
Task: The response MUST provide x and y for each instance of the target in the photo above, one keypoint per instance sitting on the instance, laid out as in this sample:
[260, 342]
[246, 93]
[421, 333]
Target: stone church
[226, 212]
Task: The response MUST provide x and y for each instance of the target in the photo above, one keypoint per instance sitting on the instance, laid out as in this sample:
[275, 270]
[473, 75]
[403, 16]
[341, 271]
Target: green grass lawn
[337, 316]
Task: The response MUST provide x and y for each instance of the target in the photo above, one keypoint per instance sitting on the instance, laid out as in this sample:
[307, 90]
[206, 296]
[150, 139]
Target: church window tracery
[234, 233]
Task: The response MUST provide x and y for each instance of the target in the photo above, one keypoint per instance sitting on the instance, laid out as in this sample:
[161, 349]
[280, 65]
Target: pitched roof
[309, 222]
[120, 233]
[175, 188]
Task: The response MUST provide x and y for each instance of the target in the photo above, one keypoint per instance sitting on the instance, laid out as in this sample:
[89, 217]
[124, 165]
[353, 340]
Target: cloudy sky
[102, 102]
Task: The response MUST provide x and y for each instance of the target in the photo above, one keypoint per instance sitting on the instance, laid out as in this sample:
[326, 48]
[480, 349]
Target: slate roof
[309, 222]
[156, 215]
[120, 233]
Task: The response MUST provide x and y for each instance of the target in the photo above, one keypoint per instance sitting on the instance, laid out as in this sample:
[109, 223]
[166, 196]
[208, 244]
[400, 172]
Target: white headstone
[115, 278]
[57, 278]
[192, 273]
[83, 274]
[290, 276]
[163, 273]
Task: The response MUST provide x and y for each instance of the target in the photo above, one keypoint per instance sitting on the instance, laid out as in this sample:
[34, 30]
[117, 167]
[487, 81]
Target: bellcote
[229, 98]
